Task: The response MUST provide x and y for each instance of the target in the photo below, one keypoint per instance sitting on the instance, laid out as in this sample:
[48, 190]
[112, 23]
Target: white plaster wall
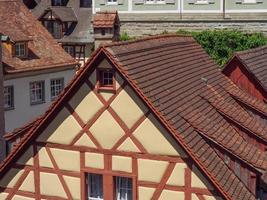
[24, 111]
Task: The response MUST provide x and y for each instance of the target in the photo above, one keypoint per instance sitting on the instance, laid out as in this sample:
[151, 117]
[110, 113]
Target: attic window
[20, 49]
[106, 79]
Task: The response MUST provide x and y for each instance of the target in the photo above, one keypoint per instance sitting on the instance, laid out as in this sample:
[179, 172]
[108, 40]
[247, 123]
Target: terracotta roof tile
[44, 53]
[105, 19]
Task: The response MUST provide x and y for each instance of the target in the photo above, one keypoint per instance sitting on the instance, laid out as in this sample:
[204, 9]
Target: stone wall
[136, 28]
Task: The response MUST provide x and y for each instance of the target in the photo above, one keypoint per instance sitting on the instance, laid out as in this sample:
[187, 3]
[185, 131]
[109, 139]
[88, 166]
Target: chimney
[2, 113]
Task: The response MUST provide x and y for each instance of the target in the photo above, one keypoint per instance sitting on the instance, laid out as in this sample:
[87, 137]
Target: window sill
[107, 89]
[157, 3]
[37, 103]
[8, 109]
[112, 4]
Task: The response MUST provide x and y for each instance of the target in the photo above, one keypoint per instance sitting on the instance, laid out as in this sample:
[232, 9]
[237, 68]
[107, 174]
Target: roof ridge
[250, 50]
[142, 39]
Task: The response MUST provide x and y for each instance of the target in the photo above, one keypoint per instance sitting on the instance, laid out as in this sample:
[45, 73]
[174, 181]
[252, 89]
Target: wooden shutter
[120, 2]
[138, 1]
[170, 1]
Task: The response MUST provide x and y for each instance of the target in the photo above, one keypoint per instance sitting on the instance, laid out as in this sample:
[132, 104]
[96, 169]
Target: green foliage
[125, 37]
[221, 44]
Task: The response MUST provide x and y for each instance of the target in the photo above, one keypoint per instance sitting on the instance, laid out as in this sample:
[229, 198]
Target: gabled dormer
[58, 20]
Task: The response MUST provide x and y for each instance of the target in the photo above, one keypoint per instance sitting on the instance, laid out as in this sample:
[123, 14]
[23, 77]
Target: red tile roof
[105, 19]
[180, 83]
[255, 61]
[20, 25]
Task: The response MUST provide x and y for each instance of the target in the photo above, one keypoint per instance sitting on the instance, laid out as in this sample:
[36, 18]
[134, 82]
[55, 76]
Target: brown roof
[44, 53]
[168, 73]
[105, 19]
[255, 61]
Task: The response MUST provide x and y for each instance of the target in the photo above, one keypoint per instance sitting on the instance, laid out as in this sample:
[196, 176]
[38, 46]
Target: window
[57, 3]
[54, 27]
[70, 50]
[37, 92]
[8, 97]
[249, 1]
[86, 3]
[123, 188]
[112, 2]
[95, 186]
[20, 49]
[56, 86]
[106, 77]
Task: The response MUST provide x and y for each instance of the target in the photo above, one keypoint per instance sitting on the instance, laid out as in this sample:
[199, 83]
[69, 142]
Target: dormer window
[106, 79]
[20, 49]
[57, 3]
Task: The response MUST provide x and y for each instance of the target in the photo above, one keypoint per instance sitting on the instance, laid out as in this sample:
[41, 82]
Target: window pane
[106, 78]
[95, 186]
[56, 86]
[123, 188]
[8, 97]
[37, 92]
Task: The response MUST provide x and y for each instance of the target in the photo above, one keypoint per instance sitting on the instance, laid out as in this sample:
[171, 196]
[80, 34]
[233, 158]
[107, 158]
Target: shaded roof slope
[168, 72]
[255, 61]
[19, 24]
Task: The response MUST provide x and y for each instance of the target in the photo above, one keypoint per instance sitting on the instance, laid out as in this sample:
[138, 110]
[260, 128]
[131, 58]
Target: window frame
[25, 47]
[62, 87]
[67, 47]
[12, 106]
[82, 5]
[100, 85]
[112, 2]
[43, 93]
[109, 175]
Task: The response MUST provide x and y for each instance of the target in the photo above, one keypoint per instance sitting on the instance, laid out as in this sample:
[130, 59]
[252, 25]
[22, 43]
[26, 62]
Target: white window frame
[249, 1]
[155, 2]
[97, 191]
[122, 185]
[20, 49]
[112, 2]
[9, 97]
[202, 2]
[37, 88]
[56, 87]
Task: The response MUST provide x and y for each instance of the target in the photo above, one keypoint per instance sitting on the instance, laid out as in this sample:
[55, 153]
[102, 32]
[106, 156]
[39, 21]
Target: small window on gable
[106, 79]
[20, 49]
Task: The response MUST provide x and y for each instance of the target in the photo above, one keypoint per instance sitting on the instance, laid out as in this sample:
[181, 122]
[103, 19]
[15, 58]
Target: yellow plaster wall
[198, 180]
[74, 186]
[81, 102]
[128, 146]
[168, 194]
[51, 185]
[18, 197]
[44, 160]
[177, 177]
[106, 130]
[122, 163]
[151, 170]
[151, 130]
[85, 141]
[61, 130]
[11, 177]
[28, 183]
[67, 160]
[145, 193]
[128, 106]
[27, 157]
[94, 160]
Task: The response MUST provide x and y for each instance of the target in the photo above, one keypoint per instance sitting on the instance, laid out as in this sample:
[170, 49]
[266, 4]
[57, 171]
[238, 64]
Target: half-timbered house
[147, 119]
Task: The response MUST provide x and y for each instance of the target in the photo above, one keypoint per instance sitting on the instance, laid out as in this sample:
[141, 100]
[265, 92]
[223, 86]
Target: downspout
[2, 112]
[224, 9]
